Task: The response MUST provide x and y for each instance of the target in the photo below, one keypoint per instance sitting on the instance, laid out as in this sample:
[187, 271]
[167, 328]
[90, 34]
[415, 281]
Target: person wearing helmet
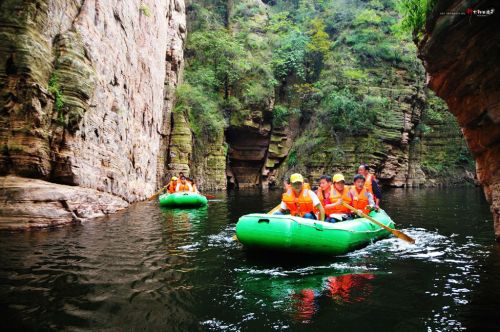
[371, 183]
[339, 193]
[172, 184]
[299, 201]
[362, 199]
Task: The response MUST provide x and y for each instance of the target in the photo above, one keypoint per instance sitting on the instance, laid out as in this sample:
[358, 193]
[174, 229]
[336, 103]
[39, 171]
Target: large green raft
[295, 234]
[182, 200]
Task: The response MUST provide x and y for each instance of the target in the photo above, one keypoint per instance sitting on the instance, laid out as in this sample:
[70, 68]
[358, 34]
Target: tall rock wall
[460, 53]
[86, 92]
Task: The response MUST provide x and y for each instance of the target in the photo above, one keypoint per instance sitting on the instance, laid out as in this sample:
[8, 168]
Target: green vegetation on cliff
[341, 78]
[415, 13]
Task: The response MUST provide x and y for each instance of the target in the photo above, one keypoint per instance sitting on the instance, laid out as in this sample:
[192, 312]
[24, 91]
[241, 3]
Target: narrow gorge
[101, 102]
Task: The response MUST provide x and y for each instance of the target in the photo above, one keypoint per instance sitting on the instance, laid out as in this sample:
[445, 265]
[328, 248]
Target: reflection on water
[164, 269]
[342, 289]
[350, 287]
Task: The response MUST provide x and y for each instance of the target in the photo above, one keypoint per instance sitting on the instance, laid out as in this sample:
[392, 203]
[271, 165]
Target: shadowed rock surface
[460, 54]
[31, 203]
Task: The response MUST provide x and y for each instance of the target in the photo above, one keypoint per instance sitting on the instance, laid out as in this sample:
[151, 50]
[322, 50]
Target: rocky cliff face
[86, 93]
[460, 54]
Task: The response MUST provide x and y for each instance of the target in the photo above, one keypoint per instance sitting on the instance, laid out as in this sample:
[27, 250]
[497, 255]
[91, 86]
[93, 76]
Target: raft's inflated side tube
[183, 199]
[295, 234]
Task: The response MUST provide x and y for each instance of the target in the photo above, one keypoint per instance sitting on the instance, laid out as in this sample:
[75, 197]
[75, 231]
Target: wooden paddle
[156, 194]
[275, 209]
[396, 233]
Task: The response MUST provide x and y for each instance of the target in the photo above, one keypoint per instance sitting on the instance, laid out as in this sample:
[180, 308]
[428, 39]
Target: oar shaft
[275, 209]
[397, 233]
[156, 194]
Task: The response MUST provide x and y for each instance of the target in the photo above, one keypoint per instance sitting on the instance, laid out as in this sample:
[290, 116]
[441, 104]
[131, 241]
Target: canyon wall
[86, 93]
[460, 53]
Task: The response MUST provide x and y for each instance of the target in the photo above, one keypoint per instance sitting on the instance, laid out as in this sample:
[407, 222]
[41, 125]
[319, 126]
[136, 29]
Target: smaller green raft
[183, 199]
[295, 234]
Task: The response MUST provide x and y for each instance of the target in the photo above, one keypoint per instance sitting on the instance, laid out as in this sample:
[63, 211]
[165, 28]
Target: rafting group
[326, 204]
[181, 192]
[334, 220]
[181, 184]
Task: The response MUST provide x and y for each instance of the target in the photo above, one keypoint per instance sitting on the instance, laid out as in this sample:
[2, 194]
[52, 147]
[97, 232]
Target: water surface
[180, 270]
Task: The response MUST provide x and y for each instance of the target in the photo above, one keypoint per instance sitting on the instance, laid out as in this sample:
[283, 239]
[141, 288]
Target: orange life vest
[346, 198]
[184, 187]
[360, 200]
[171, 186]
[298, 205]
[368, 183]
[334, 197]
[306, 186]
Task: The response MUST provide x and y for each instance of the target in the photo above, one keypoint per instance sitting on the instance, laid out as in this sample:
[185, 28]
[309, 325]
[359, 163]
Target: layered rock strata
[86, 92]
[30, 203]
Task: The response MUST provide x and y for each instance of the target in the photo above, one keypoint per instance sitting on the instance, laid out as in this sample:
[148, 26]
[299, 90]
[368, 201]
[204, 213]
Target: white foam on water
[190, 247]
[218, 325]
[224, 238]
[333, 268]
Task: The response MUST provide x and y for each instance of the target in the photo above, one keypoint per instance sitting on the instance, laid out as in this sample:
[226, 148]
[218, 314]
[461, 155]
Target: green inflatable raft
[295, 234]
[183, 199]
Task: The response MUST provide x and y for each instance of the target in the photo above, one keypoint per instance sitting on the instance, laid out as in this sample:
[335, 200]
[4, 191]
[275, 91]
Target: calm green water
[179, 270]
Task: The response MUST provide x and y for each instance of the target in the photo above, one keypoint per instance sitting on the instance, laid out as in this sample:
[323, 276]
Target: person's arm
[331, 205]
[371, 200]
[283, 207]
[317, 205]
[321, 212]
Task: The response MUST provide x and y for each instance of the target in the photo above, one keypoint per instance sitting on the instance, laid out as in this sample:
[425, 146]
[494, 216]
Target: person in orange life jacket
[299, 201]
[183, 185]
[332, 196]
[188, 179]
[172, 185]
[362, 199]
[324, 194]
[371, 183]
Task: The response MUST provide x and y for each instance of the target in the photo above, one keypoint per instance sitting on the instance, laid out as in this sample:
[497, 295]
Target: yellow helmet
[296, 177]
[174, 178]
[338, 177]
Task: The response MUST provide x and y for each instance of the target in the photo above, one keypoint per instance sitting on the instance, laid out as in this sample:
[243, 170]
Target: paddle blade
[153, 197]
[403, 236]
[209, 196]
[398, 234]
